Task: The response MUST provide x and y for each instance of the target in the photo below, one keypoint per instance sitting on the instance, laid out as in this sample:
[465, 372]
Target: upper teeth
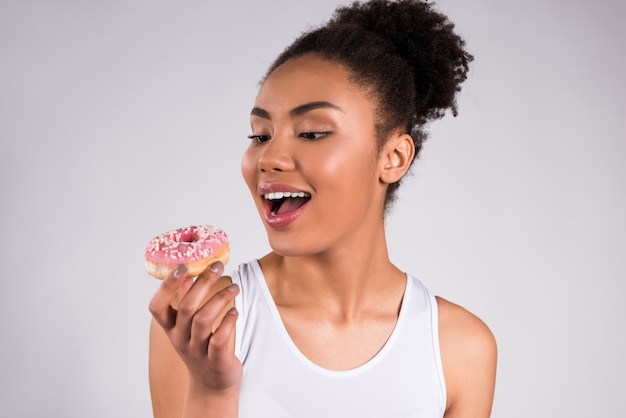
[280, 195]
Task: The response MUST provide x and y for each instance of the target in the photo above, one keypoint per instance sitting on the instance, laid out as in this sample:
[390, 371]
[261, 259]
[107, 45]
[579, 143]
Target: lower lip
[284, 220]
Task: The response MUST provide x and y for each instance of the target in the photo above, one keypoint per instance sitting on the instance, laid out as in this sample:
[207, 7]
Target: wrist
[206, 402]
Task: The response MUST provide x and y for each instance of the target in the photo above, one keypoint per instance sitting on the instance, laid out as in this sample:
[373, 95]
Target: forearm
[203, 404]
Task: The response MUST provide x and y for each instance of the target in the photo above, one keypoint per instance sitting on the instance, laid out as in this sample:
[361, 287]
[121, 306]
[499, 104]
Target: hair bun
[425, 39]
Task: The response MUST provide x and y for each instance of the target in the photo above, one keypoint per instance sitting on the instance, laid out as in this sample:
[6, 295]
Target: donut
[197, 247]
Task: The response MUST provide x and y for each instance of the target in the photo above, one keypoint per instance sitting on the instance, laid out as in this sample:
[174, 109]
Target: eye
[313, 135]
[259, 139]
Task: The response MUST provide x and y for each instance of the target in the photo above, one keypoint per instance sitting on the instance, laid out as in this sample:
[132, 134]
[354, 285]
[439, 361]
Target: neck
[342, 281]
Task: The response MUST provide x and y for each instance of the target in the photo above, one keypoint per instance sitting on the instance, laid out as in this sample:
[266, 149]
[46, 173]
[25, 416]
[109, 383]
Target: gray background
[121, 119]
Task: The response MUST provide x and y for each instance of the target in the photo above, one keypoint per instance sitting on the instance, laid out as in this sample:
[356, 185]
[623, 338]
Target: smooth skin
[192, 329]
[314, 131]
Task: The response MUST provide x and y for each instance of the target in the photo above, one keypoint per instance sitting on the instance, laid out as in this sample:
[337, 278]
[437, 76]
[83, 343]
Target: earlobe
[397, 156]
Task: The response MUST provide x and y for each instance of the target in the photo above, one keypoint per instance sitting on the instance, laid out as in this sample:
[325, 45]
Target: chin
[290, 248]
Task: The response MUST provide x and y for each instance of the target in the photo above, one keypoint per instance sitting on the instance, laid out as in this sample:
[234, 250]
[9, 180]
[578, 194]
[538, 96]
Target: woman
[325, 325]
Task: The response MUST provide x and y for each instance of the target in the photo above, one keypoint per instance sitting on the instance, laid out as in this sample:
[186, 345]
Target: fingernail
[217, 267]
[233, 288]
[180, 271]
[232, 311]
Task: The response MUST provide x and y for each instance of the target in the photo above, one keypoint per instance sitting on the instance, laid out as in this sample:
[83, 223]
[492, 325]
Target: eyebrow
[298, 110]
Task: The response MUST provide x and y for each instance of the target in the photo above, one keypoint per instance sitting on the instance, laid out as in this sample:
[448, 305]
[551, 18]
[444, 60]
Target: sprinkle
[186, 244]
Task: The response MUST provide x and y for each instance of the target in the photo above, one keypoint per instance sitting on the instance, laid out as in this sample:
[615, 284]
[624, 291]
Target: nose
[276, 155]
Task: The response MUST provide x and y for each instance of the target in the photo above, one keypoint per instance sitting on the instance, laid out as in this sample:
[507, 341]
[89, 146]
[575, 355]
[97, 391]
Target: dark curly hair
[404, 54]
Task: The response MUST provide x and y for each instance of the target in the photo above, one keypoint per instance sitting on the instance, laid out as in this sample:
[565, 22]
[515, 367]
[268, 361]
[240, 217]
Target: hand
[198, 329]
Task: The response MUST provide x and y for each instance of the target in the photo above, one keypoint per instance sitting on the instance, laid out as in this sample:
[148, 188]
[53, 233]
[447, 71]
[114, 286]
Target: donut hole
[188, 237]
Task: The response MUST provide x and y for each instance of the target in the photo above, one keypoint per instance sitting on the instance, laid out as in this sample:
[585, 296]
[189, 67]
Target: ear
[396, 158]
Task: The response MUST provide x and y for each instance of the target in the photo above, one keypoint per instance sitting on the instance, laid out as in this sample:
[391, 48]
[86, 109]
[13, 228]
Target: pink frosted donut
[195, 246]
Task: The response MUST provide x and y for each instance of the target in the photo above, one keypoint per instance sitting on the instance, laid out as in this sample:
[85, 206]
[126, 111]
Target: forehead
[309, 79]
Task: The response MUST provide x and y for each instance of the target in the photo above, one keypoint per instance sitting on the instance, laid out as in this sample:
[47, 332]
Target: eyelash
[309, 136]
[312, 136]
[259, 139]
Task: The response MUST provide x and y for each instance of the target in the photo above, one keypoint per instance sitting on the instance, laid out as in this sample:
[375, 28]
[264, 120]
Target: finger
[184, 287]
[208, 317]
[218, 344]
[215, 270]
[160, 304]
[195, 298]
[192, 298]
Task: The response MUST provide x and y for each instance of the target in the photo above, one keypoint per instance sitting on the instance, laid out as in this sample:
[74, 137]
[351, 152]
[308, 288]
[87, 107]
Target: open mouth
[281, 203]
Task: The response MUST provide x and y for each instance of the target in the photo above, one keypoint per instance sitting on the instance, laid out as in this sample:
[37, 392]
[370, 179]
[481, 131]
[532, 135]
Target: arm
[468, 354]
[168, 375]
[193, 371]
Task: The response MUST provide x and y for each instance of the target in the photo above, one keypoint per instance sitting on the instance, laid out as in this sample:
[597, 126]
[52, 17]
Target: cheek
[346, 165]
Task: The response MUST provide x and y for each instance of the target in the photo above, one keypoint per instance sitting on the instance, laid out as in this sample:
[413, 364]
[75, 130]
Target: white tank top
[404, 379]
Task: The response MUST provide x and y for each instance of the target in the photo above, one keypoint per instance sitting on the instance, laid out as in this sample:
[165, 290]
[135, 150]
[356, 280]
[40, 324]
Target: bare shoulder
[469, 356]
[462, 327]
